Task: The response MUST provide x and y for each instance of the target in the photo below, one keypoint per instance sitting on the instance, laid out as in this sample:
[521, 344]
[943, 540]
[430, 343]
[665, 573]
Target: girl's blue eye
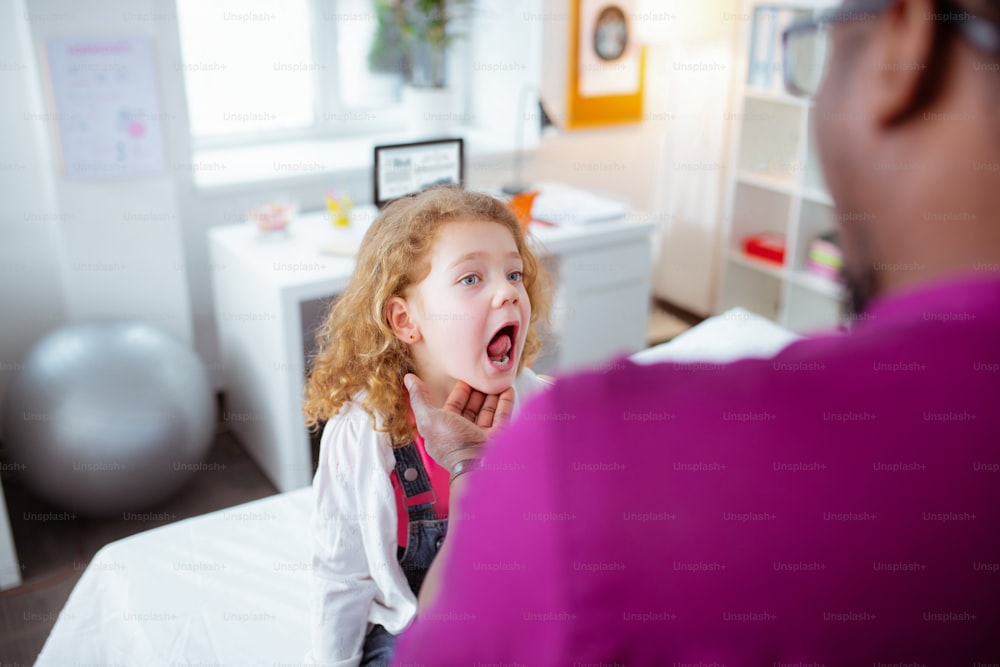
[472, 277]
[515, 275]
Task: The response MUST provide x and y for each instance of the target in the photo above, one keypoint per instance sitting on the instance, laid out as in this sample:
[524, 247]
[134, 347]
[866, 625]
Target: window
[283, 69]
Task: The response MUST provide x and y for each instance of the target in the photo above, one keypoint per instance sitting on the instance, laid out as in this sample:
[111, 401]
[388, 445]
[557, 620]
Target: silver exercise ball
[109, 416]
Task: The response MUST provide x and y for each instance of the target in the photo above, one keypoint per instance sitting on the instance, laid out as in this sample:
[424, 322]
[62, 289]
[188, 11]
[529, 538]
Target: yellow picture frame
[584, 108]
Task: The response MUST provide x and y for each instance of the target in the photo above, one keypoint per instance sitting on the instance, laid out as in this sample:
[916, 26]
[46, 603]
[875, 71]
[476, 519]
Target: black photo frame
[441, 160]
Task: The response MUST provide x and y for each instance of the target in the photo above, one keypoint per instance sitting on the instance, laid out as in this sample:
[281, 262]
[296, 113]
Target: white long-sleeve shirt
[357, 579]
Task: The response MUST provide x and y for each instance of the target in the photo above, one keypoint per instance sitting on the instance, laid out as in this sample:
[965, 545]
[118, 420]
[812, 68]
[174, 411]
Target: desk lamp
[518, 186]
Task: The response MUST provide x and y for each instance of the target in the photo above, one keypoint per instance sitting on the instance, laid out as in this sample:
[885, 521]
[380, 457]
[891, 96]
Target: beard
[861, 289]
[857, 271]
[857, 296]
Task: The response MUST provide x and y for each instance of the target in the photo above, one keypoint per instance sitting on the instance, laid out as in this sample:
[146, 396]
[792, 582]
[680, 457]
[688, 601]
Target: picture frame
[404, 169]
[606, 65]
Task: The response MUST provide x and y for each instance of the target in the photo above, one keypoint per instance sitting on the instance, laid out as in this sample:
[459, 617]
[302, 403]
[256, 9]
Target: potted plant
[426, 29]
[387, 57]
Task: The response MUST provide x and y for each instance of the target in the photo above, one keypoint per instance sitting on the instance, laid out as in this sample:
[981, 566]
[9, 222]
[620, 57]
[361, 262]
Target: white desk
[271, 292]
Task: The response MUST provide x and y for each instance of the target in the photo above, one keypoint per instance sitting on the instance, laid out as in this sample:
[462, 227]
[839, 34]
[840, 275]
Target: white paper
[107, 106]
[564, 205]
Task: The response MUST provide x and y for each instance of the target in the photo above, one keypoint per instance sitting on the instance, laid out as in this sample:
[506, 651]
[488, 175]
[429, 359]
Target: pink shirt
[838, 504]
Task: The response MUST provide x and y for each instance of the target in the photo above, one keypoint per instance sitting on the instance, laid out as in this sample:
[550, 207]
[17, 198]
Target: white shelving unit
[776, 184]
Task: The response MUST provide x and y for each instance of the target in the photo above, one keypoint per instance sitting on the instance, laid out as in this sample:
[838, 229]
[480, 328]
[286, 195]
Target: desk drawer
[606, 267]
[601, 324]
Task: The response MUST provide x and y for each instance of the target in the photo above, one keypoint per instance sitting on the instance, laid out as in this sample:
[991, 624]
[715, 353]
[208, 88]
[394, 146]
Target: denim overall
[424, 538]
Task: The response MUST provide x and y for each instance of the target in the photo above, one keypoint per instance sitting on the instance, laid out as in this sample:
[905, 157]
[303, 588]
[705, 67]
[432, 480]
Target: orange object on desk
[521, 204]
[766, 245]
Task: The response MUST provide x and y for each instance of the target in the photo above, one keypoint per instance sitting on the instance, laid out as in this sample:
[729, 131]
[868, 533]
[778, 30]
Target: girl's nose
[505, 294]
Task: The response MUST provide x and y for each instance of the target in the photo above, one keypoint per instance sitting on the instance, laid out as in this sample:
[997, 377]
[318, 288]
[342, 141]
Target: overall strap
[417, 490]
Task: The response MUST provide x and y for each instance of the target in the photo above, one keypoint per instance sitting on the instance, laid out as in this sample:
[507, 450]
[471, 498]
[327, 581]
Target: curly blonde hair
[357, 349]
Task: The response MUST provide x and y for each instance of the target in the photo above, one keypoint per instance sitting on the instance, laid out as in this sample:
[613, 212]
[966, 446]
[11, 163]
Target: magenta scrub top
[838, 504]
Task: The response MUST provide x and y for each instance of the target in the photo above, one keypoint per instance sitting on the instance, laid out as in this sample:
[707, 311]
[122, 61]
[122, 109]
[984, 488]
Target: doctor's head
[906, 123]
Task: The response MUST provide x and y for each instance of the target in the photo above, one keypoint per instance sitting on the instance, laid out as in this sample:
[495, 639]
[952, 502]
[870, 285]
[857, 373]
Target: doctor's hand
[459, 430]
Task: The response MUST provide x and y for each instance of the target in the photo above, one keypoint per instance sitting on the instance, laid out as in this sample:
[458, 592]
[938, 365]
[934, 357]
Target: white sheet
[230, 587]
[734, 334]
[226, 588]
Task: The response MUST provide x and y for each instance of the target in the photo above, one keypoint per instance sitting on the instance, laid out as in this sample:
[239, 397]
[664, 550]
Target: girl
[447, 288]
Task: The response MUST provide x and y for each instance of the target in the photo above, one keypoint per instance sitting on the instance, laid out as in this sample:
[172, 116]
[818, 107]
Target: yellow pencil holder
[340, 209]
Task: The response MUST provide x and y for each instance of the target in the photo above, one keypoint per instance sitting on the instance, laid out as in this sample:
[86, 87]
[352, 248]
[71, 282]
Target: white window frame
[332, 120]
[244, 163]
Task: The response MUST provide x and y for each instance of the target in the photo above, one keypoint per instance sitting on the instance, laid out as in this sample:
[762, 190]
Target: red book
[766, 245]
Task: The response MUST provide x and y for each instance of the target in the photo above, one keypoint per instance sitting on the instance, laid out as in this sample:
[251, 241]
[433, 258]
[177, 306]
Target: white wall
[695, 67]
[124, 251]
[72, 249]
[76, 250]
[31, 246]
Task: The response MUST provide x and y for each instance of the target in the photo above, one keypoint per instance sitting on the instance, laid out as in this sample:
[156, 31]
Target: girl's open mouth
[500, 350]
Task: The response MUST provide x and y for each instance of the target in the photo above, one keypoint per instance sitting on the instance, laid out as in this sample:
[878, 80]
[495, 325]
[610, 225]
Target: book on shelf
[762, 45]
[825, 256]
[764, 71]
[766, 245]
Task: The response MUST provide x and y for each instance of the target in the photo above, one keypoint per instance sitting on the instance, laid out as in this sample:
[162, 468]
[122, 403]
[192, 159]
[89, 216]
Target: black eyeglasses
[805, 43]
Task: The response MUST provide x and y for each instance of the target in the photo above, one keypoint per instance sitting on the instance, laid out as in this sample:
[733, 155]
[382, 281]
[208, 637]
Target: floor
[53, 554]
[666, 321]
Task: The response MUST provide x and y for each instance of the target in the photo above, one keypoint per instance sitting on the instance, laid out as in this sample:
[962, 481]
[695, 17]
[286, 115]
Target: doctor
[837, 504]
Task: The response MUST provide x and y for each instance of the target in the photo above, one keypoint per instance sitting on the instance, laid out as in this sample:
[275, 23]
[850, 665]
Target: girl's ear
[403, 326]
